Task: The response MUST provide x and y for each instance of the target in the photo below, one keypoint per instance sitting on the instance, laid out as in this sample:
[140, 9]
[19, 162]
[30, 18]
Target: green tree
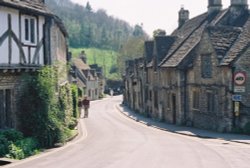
[159, 32]
[87, 28]
[138, 31]
[88, 7]
[132, 49]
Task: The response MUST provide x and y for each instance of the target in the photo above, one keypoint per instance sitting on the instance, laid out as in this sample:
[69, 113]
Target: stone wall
[10, 81]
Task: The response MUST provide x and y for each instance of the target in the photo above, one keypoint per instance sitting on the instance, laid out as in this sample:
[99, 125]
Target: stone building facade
[30, 38]
[189, 77]
[89, 79]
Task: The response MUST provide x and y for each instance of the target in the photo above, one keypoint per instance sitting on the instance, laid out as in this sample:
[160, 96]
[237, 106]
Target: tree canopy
[89, 28]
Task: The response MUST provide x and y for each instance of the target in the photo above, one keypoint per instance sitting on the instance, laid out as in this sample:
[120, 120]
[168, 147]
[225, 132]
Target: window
[196, 100]
[32, 30]
[29, 27]
[206, 66]
[210, 102]
[150, 95]
[5, 109]
[27, 30]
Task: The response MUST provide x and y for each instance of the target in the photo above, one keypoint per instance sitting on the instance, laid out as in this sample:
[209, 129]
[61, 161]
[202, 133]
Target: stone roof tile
[223, 38]
[80, 64]
[189, 36]
[241, 43]
[182, 34]
[185, 48]
[30, 5]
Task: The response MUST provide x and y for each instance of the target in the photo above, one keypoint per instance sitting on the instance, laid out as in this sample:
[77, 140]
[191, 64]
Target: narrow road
[114, 141]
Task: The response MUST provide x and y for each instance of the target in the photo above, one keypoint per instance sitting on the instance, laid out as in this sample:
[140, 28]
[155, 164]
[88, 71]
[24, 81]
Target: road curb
[176, 132]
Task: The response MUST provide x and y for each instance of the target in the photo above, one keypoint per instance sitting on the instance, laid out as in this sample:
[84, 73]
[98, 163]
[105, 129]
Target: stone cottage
[88, 80]
[30, 38]
[199, 75]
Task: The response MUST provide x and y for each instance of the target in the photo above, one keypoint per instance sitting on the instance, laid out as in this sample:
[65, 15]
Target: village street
[108, 139]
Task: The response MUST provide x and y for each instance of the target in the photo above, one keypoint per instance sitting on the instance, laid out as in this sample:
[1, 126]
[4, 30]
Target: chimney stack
[214, 6]
[183, 16]
[239, 4]
[148, 50]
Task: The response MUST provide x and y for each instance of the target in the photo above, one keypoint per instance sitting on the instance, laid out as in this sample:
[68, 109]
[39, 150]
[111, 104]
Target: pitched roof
[228, 40]
[187, 37]
[239, 46]
[222, 38]
[35, 6]
[80, 64]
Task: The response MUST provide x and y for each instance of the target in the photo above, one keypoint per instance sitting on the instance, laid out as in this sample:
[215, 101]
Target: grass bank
[107, 59]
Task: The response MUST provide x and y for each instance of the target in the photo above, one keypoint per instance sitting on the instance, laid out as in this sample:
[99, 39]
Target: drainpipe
[185, 96]
[233, 107]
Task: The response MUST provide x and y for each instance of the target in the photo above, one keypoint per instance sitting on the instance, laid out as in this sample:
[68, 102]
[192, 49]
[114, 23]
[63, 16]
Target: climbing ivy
[45, 110]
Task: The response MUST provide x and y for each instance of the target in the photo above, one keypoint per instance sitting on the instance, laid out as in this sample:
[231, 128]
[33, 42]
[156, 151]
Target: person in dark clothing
[86, 104]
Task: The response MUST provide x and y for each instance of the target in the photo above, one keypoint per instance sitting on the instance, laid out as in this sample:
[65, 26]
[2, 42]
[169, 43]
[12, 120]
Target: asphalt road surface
[110, 140]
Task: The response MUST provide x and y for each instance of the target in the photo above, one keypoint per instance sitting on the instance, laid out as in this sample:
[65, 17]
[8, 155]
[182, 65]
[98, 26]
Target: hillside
[88, 28]
[102, 37]
[107, 59]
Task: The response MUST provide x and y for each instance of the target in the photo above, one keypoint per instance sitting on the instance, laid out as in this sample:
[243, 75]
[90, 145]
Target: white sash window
[29, 30]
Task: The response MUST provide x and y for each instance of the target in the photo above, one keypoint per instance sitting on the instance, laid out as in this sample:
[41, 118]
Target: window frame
[29, 30]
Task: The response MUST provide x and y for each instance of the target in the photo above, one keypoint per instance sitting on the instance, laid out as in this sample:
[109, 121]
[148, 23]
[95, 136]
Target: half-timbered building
[30, 38]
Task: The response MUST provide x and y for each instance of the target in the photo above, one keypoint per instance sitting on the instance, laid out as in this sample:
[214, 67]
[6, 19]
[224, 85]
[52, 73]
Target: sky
[151, 14]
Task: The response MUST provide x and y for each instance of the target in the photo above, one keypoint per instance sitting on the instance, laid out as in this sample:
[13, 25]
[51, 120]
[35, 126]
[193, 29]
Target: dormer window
[29, 30]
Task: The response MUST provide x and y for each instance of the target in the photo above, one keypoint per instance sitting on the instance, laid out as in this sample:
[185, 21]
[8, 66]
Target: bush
[12, 135]
[15, 152]
[29, 146]
[6, 138]
[49, 113]
[3, 146]
[72, 123]
[40, 107]
[14, 145]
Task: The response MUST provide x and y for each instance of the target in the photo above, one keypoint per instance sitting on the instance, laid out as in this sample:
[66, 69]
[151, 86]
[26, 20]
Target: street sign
[237, 98]
[239, 89]
[237, 108]
[239, 78]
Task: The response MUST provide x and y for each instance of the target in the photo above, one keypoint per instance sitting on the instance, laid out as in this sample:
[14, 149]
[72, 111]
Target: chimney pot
[214, 6]
[183, 16]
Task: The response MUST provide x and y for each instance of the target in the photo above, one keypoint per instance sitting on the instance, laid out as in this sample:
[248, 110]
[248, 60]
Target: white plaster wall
[25, 50]
[15, 28]
[41, 36]
[3, 28]
[15, 53]
[3, 20]
[4, 53]
[32, 50]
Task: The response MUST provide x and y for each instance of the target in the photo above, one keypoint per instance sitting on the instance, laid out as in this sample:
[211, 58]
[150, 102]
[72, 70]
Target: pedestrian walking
[86, 104]
[111, 92]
